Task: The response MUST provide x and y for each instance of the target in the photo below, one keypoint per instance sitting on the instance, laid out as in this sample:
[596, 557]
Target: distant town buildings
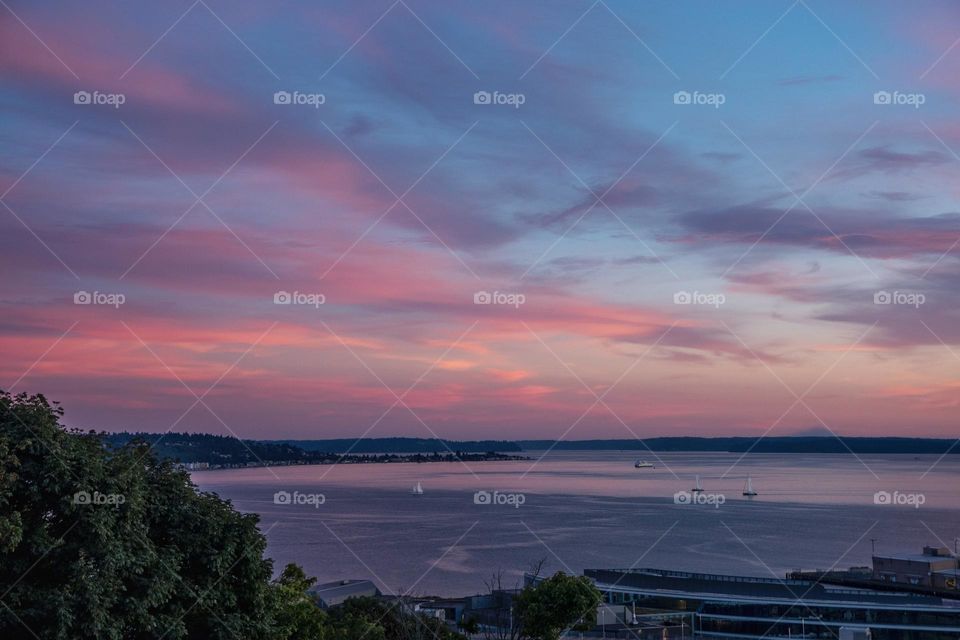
[194, 466]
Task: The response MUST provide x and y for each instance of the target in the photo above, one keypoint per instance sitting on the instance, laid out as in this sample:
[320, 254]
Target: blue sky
[812, 223]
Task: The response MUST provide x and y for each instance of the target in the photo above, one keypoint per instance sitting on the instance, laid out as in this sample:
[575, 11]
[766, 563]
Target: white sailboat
[748, 487]
[417, 489]
[698, 487]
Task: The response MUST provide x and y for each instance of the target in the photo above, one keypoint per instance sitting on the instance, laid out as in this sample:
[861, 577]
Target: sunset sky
[788, 196]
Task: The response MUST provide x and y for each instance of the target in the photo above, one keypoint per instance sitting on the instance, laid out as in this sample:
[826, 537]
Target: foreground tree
[111, 544]
[542, 610]
[550, 607]
[373, 618]
[297, 613]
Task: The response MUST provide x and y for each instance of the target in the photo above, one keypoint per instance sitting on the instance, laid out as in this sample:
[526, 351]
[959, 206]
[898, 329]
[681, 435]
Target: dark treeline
[789, 444]
[228, 451]
[205, 447]
[401, 445]
[738, 444]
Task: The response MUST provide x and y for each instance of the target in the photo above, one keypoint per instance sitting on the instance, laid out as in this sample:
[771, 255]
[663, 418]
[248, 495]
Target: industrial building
[723, 606]
[935, 567]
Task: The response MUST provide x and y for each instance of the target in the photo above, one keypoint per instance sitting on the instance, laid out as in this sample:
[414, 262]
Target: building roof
[333, 593]
[929, 555]
[744, 589]
[914, 557]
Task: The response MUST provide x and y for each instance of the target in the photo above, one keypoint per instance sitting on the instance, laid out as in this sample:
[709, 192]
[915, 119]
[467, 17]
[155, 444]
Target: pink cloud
[25, 60]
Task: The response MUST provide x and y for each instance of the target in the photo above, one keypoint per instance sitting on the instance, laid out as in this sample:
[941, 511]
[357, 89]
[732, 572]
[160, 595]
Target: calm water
[594, 510]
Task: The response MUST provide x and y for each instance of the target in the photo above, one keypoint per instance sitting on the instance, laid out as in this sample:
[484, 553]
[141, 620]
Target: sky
[483, 220]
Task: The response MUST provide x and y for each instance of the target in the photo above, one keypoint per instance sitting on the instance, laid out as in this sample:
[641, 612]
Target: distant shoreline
[355, 459]
[690, 444]
[224, 452]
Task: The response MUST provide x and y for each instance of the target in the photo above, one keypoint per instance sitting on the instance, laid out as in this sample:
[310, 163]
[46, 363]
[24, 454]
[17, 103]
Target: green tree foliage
[111, 544]
[298, 616]
[558, 603]
[469, 625]
[373, 618]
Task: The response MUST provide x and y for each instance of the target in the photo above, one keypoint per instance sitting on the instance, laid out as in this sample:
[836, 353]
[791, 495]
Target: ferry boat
[643, 464]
